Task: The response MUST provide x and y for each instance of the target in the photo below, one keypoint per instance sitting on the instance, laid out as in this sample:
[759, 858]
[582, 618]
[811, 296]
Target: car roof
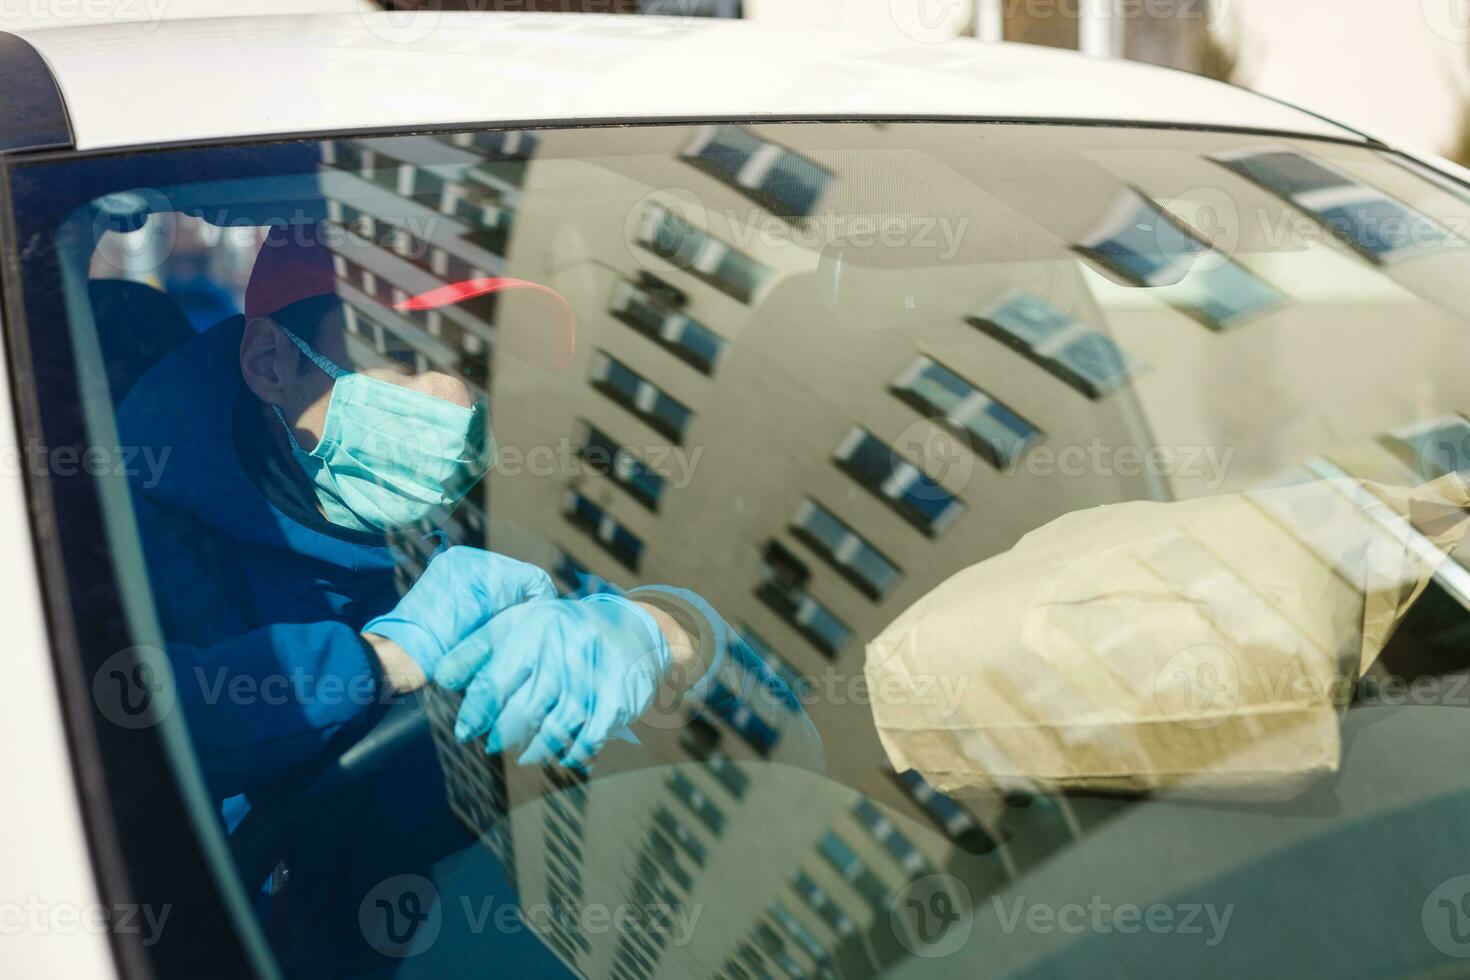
[219, 78]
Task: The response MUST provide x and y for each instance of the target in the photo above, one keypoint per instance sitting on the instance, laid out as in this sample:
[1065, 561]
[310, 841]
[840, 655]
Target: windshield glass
[599, 551]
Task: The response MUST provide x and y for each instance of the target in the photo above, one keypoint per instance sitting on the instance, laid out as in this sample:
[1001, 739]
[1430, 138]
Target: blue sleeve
[265, 702]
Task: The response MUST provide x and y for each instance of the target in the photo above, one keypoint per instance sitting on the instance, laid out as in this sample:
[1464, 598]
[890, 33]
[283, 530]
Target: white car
[802, 321]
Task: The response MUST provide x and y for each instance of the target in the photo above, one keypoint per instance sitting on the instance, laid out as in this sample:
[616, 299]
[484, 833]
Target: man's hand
[562, 676]
[460, 591]
[401, 673]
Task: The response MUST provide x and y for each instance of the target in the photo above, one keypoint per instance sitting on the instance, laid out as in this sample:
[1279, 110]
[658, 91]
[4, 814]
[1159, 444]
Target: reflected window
[857, 560]
[753, 963]
[1142, 244]
[640, 396]
[786, 183]
[1368, 221]
[799, 933]
[756, 732]
[699, 804]
[702, 740]
[1438, 447]
[700, 254]
[490, 224]
[679, 834]
[821, 903]
[899, 483]
[726, 773]
[506, 152]
[775, 947]
[571, 572]
[404, 168]
[615, 539]
[956, 822]
[995, 432]
[783, 589]
[796, 681]
[910, 857]
[1072, 350]
[621, 465]
[667, 860]
[685, 338]
[842, 857]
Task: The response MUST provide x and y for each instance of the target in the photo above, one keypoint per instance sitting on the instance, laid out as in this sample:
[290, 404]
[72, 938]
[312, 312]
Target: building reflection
[832, 483]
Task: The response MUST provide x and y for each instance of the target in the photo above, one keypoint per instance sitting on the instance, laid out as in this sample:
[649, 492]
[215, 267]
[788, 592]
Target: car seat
[136, 326]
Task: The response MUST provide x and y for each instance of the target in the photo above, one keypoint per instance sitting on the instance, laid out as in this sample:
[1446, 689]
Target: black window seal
[630, 122]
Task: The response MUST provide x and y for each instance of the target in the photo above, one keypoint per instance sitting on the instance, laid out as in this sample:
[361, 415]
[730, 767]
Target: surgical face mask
[390, 456]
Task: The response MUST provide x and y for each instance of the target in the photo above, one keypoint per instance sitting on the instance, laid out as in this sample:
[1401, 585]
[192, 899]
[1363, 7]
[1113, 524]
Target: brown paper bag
[1204, 646]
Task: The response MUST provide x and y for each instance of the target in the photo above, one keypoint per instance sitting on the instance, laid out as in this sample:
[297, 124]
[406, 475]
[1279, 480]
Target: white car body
[400, 71]
[245, 78]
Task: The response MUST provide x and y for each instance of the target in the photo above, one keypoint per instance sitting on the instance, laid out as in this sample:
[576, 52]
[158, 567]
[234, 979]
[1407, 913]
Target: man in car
[270, 541]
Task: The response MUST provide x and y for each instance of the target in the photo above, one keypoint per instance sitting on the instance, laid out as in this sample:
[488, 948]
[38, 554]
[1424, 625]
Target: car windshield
[800, 377]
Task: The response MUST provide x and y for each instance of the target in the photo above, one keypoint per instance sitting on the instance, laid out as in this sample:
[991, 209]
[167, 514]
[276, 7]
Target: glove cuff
[697, 618]
[659, 644]
[417, 642]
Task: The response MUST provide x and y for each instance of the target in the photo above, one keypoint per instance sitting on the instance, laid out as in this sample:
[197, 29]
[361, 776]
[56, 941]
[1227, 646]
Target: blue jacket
[260, 612]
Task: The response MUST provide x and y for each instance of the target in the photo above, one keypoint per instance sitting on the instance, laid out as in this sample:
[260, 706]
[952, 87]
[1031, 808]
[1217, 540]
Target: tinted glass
[809, 372]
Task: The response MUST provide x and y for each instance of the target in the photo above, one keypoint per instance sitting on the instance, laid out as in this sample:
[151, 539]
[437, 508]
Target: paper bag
[1204, 646]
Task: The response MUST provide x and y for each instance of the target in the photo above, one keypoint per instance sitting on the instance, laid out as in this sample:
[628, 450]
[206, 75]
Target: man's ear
[268, 361]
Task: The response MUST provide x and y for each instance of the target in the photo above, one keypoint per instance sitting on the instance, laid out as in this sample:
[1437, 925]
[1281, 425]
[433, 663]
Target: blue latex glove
[559, 676]
[459, 592]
